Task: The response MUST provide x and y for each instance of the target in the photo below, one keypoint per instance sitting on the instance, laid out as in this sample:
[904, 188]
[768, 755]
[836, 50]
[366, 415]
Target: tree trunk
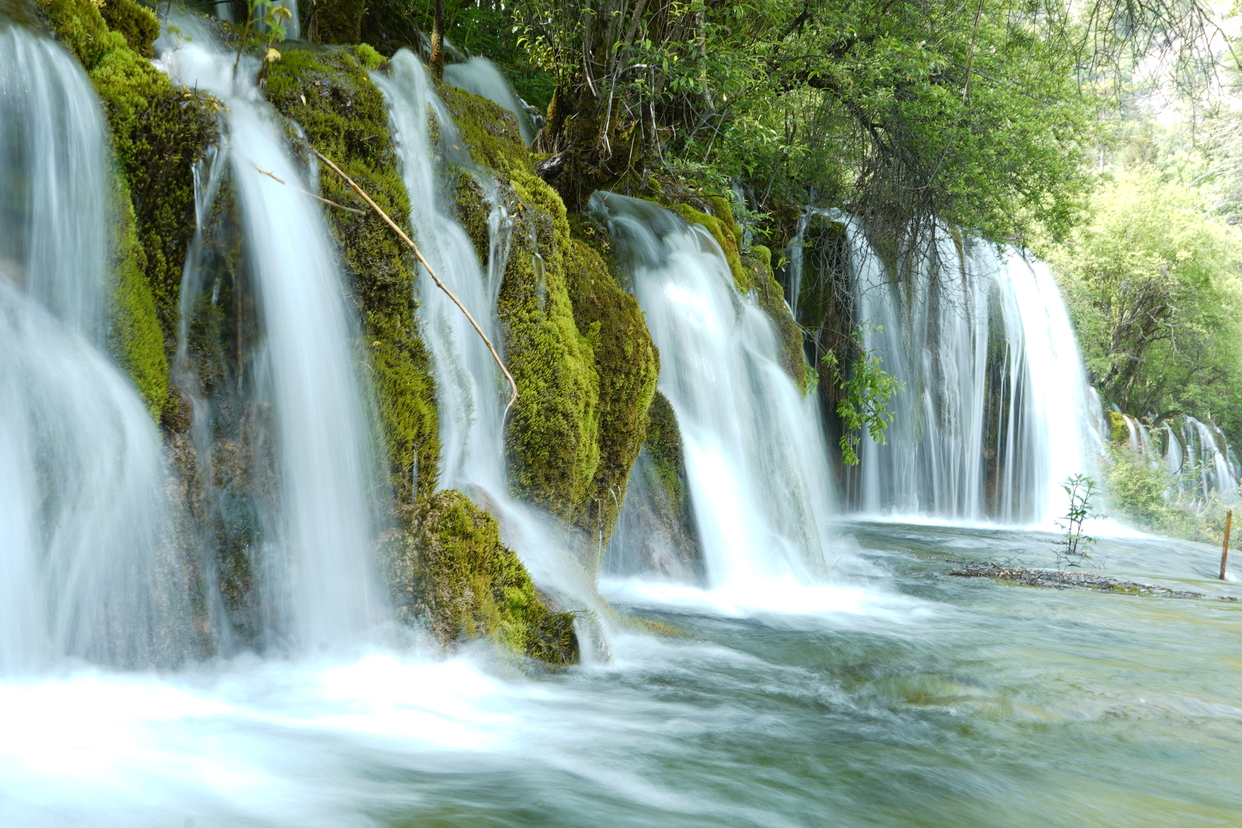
[436, 60]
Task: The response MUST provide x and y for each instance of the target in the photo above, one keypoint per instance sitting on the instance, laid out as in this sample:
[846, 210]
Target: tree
[1152, 283]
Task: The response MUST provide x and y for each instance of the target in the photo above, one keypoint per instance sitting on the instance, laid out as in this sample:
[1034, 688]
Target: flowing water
[316, 574]
[945, 702]
[82, 514]
[480, 76]
[753, 445]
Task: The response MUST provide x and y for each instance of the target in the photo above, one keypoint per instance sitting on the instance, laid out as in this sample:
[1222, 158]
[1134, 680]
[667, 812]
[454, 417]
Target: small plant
[866, 391]
[272, 16]
[1073, 547]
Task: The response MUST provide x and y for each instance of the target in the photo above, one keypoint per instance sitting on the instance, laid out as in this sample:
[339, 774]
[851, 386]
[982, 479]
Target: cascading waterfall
[471, 392]
[317, 578]
[1200, 461]
[81, 475]
[996, 411]
[754, 452]
[480, 76]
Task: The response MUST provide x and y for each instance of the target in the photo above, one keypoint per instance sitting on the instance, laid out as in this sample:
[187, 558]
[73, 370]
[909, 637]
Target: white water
[996, 411]
[481, 77]
[81, 506]
[1194, 453]
[317, 575]
[471, 393]
[753, 445]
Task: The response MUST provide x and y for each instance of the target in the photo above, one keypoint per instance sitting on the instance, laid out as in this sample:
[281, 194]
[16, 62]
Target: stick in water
[432, 273]
[1224, 552]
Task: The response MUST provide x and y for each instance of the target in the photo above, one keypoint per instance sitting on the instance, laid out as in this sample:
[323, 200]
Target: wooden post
[1224, 552]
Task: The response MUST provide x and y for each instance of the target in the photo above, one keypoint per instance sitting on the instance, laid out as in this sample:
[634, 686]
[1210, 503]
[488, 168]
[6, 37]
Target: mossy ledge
[330, 94]
[450, 571]
[158, 132]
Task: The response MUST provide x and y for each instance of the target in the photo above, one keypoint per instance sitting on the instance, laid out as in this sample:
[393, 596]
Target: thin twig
[397, 229]
[307, 192]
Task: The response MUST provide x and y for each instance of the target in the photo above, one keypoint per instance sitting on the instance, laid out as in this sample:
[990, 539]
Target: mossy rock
[330, 94]
[626, 362]
[726, 234]
[134, 336]
[137, 24]
[1118, 430]
[448, 569]
[552, 434]
[758, 260]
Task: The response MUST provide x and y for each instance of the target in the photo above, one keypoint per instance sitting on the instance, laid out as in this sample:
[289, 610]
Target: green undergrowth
[134, 336]
[158, 131]
[330, 94]
[451, 572]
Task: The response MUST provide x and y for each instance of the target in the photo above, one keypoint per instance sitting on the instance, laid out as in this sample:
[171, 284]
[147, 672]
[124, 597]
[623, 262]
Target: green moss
[758, 260]
[552, 434]
[367, 55]
[136, 23]
[344, 116]
[1118, 431]
[626, 362]
[723, 233]
[134, 335]
[449, 570]
[80, 26]
[664, 447]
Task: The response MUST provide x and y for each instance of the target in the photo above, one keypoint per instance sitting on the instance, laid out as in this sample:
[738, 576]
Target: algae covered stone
[448, 569]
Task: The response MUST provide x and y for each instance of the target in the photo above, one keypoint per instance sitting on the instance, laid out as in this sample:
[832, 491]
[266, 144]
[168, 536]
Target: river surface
[904, 698]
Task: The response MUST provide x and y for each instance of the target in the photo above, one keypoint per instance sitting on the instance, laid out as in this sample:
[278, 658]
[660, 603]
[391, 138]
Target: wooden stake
[1224, 552]
[397, 229]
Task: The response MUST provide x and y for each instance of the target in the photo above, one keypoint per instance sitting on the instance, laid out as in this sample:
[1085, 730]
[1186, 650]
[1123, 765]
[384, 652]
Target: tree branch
[401, 233]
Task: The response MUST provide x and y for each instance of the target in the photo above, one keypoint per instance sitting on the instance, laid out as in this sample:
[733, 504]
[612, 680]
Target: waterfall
[81, 501]
[481, 77]
[755, 458]
[312, 410]
[472, 395]
[996, 411]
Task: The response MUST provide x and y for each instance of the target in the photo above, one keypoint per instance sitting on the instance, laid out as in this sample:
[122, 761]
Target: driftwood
[262, 171]
[410, 243]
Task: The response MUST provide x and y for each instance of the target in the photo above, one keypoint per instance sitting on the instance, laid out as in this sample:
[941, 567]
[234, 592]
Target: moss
[449, 570]
[137, 24]
[134, 335]
[723, 233]
[552, 434]
[344, 116]
[367, 55]
[1118, 431]
[626, 362]
[758, 260]
[664, 446]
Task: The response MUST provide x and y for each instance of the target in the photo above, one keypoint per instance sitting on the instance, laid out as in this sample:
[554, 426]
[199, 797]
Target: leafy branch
[866, 389]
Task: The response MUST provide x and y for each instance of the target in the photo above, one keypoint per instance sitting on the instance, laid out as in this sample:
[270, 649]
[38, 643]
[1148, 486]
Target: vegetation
[865, 391]
[1074, 547]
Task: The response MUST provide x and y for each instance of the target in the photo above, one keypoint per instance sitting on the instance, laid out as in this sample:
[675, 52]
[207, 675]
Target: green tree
[1152, 283]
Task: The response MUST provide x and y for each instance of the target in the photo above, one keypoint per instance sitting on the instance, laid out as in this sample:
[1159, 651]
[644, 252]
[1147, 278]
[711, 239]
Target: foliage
[1152, 284]
[865, 391]
[1073, 547]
